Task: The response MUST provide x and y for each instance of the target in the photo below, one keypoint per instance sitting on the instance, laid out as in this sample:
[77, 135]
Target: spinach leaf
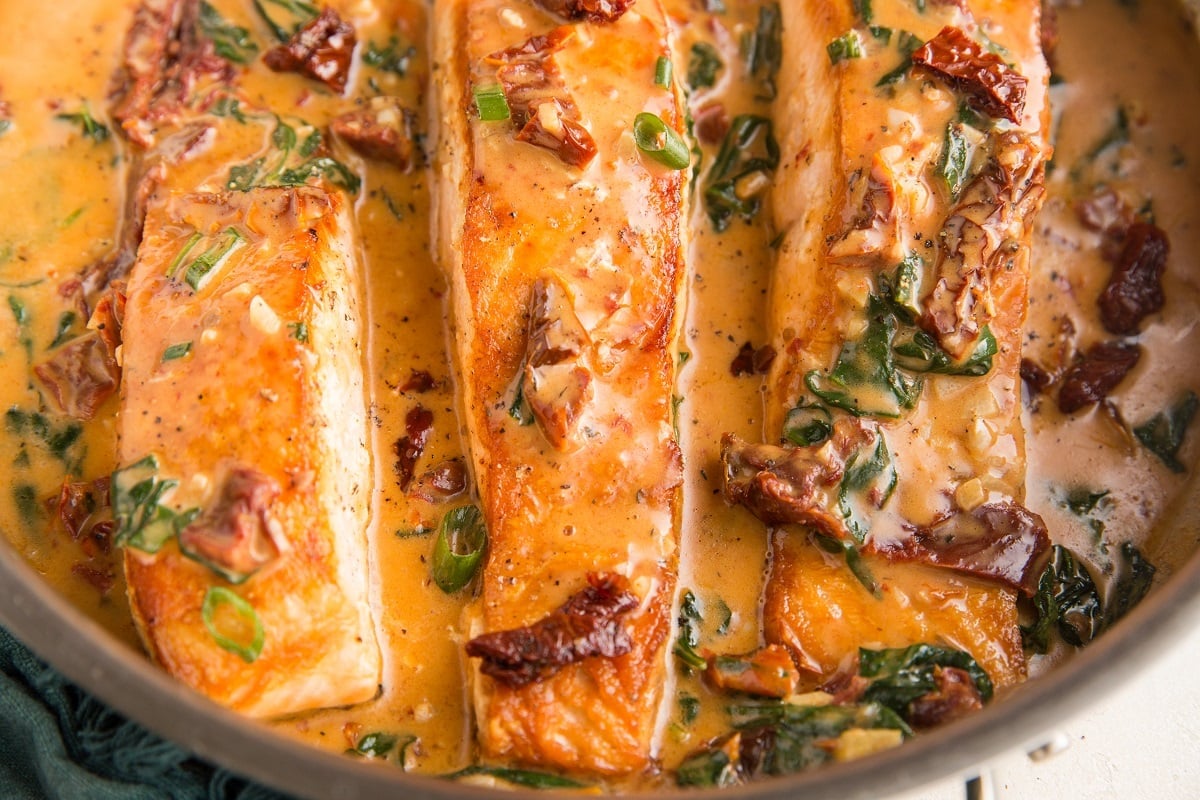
[845, 47]
[690, 617]
[300, 11]
[59, 438]
[865, 381]
[919, 352]
[330, 169]
[783, 738]
[1084, 501]
[955, 161]
[689, 708]
[1067, 601]
[765, 49]
[1163, 434]
[143, 521]
[868, 482]
[1136, 574]
[520, 777]
[901, 675]
[231, 42]
[854, 560]
[709, 767]
[748, 151]
[390, 57]
[703, 65]
[62, 332]
[91, 129]
[808, 424]
[902, 289]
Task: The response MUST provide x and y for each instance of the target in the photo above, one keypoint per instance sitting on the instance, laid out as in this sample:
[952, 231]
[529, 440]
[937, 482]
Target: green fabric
[57, 741]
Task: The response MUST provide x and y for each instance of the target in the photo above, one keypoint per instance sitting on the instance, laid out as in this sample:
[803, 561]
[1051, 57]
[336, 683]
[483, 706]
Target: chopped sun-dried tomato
[991, 86]
[588, 624]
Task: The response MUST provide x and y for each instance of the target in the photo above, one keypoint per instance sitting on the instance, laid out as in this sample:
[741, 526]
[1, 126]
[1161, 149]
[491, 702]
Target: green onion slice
[660, 142]
[491, 103]
[199, 270]
[461, 541]
[227, 635]
[662, 72]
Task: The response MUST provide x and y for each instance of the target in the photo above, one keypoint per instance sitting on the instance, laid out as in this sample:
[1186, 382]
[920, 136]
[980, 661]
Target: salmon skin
[245, 486]
[913, 145]
[563, 246]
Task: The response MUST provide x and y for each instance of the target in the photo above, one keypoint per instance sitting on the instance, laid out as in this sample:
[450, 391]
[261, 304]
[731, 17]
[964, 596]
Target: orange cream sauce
[63, 195]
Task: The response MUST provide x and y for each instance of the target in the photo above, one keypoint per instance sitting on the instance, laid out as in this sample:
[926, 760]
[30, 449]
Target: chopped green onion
[204, 263]
[233, 640]
[462, 539]
[845, 47]
[491, 103]
[182, 254]
[660, 142]
[299, 331]
[662, 72]
[177, 351]
[862, 9]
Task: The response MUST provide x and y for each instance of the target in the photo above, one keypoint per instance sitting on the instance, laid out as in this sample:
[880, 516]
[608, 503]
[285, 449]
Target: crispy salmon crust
[248, 390]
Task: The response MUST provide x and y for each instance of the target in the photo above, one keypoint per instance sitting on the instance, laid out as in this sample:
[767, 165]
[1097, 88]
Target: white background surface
[1141, 742]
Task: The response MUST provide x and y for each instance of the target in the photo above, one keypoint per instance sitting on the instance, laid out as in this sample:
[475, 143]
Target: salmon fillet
[563, 248]
[905, 195]
[242, 396]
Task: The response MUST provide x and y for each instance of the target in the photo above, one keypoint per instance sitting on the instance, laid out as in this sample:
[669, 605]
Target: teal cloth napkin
[57, 741]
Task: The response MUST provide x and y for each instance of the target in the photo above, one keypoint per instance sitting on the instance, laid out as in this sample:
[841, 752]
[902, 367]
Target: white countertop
[1141, 742]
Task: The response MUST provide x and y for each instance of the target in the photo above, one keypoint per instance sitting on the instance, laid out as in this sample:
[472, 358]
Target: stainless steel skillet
[89, 656]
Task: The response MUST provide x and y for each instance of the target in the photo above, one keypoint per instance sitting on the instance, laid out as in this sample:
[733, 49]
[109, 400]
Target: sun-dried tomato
[321, 50]
[955, 696]
[443, 482]
[1134, 290]
[418, 425]
[1036, 378]
[419, 381]
[990, 85]
[588, 624]
[382, 129]
[751, 360]
[1003, 541]
[542, 109]
[235, 532]
[591, 10]
[1091, 378]
[712, 123]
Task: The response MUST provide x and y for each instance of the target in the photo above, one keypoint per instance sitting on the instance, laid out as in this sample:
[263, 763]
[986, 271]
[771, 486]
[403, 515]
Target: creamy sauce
[63, 196]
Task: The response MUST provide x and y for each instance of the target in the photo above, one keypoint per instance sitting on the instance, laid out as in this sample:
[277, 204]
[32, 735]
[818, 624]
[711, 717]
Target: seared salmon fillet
[563, 242]
[912, 145]
[243, 498]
